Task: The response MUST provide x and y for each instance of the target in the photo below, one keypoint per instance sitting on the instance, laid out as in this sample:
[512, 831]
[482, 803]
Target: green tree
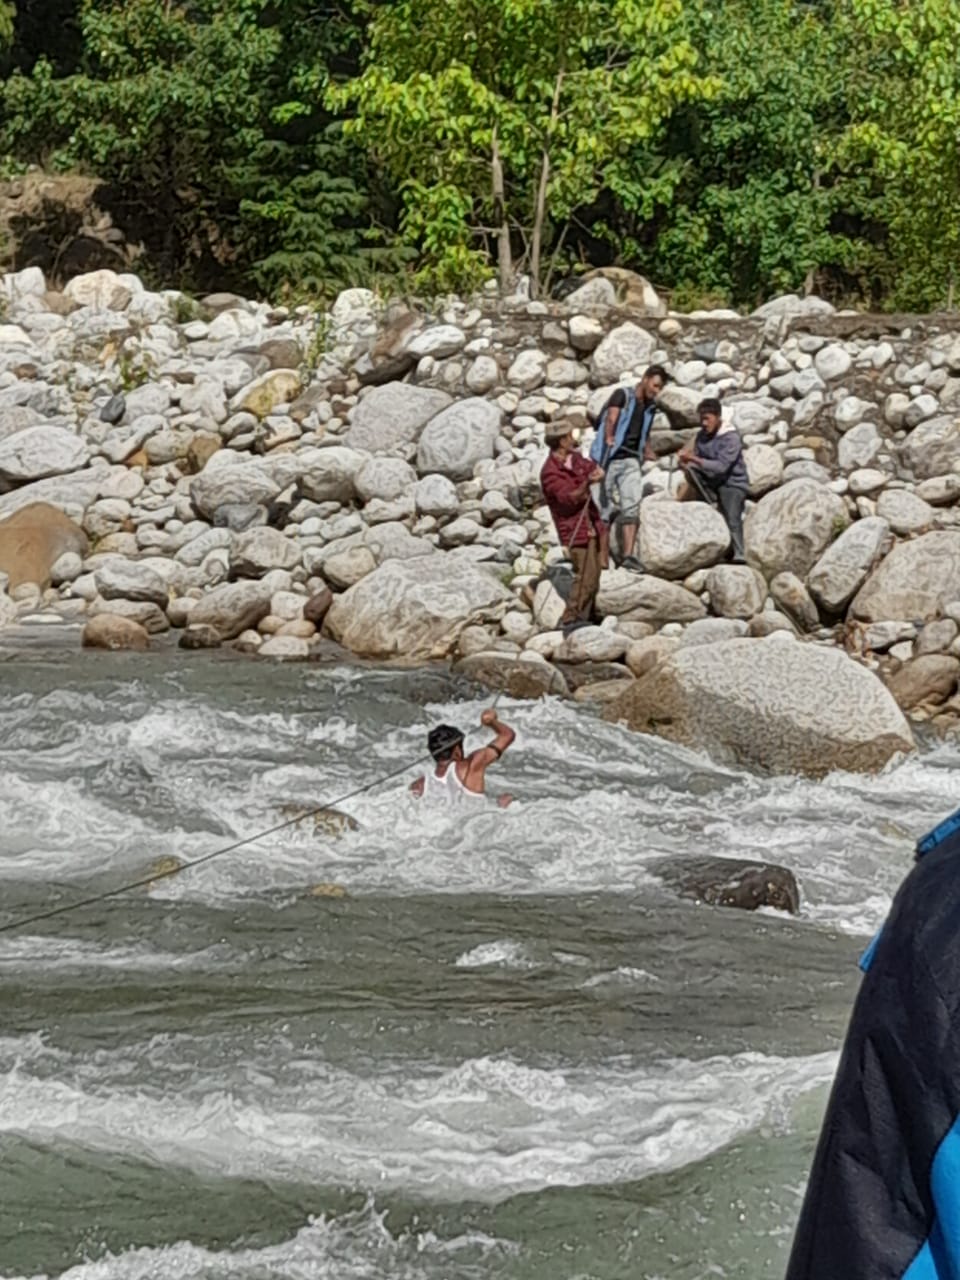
[903, 74]
[6, 22]
[511, 117]
[205, 117]
[742, 197]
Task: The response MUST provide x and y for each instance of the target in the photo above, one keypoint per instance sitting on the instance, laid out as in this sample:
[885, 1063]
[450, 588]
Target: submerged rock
[728, 882]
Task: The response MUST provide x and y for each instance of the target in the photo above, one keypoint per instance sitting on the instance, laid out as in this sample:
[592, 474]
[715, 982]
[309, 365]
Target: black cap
[443, 740]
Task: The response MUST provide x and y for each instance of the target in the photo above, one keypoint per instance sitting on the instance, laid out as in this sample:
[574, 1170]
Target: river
[508, 1051]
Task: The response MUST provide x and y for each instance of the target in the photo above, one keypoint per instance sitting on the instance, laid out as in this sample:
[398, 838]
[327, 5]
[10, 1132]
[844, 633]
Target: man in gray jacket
[714, 471]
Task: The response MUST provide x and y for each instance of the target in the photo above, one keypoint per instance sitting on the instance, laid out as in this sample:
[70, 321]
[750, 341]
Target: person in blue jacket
[714, 471]
[883, 1200]
[620, 447]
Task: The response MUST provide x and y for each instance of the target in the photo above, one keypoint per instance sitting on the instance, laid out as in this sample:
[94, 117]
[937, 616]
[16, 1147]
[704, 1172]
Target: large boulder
[33, 539]
[392, 415]
[840, 572]
[914, 581]
[774, 704]
[791, 527]
[625, 350]
[99, 290]
[415, 609]
[458, 438]
[933, 447]
[678, 537]
[38, 452]
[233, 608]
[644, 598]
[730, 882]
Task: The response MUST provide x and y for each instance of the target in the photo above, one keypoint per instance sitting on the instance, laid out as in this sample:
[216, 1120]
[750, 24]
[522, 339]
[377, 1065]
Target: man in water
[621, 446]
[883, 1200]
[715, 472]
[458, 778]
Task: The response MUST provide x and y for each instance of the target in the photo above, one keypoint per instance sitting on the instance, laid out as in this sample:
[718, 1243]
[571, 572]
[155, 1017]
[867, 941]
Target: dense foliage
[728, 149]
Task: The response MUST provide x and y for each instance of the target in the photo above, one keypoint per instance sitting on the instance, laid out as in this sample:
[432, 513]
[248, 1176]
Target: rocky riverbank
[261, 477]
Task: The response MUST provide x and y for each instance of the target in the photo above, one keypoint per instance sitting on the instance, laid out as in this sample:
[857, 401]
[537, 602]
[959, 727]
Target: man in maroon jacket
[566, 479]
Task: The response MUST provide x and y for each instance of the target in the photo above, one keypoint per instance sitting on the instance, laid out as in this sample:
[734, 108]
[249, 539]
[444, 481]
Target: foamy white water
[507, 1050]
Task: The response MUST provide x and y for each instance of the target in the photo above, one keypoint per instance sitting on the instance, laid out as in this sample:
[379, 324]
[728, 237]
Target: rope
[164, 874]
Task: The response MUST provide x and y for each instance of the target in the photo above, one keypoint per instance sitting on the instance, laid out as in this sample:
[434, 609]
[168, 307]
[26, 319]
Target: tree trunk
[504, 254]
[540, 211]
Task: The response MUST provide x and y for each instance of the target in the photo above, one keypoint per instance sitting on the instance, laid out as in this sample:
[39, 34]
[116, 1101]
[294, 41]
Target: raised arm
[480, 760]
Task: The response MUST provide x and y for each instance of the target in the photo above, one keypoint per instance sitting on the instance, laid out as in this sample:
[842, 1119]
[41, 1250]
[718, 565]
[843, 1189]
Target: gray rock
[200, 637]
[832, 362]
[328, 475]
[384, 478]
[644, 598]
[842, 569]
[791, 304]
[859, 446]
[735, 590]
[287, 648]
[457, 439]
[728, 882]
[238, 516]
[524, 676]
[246, 483]
[791, 527]
[483, 375]
[593, 295]
[114, 409]
[233, 607]
[528, 370]
[678, 537]
[66, 568]
[394, 541]
[586, 333]
[895, 409]
[260, 550]
[149, 615]
[904, 511]
[940, 491]
[764, 468]
[625, 350]
[933, 447]
[393, 415]
[919, 410]
[794, 599]
[711, 631]
[129, 580]
[39, 452]
[850, 411]
[773, 704]
[680, 404]
[436, 496]
[935, 637]
[438, 341]
[914, 582]
[415, 608]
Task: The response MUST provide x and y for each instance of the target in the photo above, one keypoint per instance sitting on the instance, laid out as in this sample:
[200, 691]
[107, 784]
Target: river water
[508, 1051]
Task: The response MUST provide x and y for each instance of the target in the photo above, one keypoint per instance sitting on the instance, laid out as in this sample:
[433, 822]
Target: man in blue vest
[621, 445]
[883, 1201]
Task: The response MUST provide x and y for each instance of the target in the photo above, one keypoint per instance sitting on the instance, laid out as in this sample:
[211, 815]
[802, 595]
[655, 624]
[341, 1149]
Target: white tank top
[448, 789]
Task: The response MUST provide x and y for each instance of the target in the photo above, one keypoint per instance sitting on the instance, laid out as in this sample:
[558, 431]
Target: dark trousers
[729, 499]
[586, 583]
